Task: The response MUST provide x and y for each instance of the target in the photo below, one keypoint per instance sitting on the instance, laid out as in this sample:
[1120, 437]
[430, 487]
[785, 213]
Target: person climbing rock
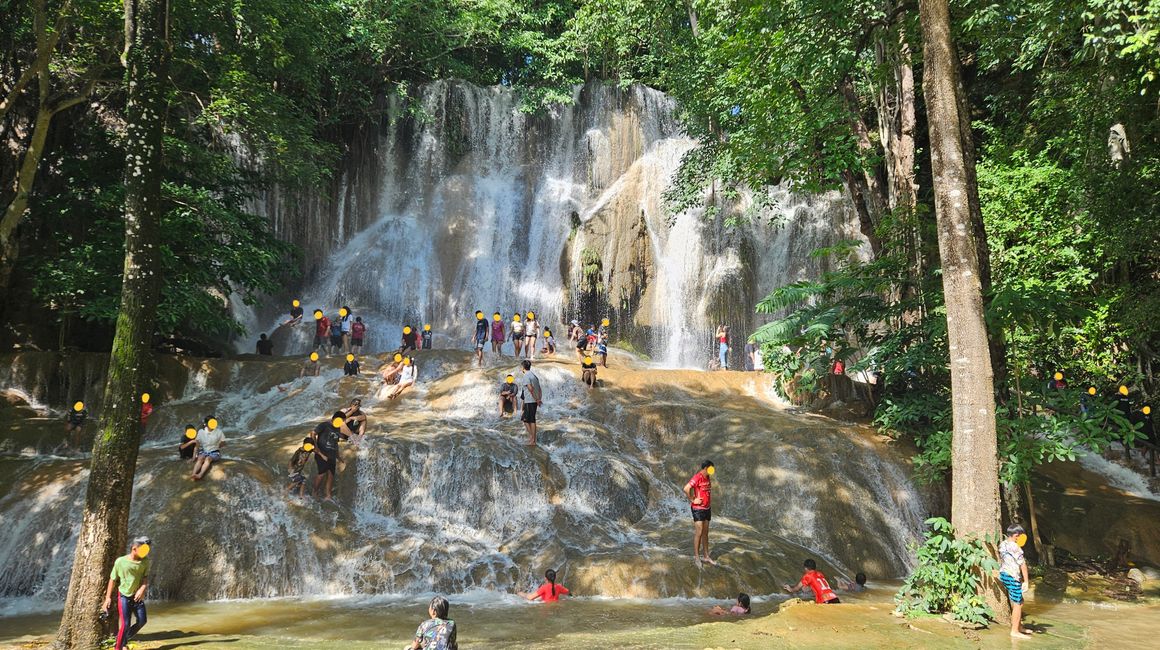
[325, 437]
[1013, 575]
[698, 490]
[210, 440]
[816, 581]
[507, 397]
[358, 332]
[297, 462]
[531, 396]
[549, 592]
[130, 579]
[498, 336]
[438, 632]
[265, 346]
[479, 338]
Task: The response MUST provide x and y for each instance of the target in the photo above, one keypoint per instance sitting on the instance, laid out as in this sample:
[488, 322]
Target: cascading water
[444, 496]
[479, 205]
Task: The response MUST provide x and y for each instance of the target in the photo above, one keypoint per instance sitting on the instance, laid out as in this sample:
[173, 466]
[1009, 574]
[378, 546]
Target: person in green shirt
[130, 577]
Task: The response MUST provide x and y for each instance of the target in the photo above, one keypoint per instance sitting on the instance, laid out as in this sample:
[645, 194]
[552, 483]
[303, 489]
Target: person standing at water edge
[498, 336]
[346, 324]
[336, 334]
[130, 577]
[438, 632]
[816, 581]
[74, 425]
[480, 336]
[1012, 567]
[698, 490]
[532, 397]
[265, 346]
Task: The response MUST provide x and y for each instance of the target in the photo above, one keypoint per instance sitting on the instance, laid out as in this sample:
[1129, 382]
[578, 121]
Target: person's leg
[317, 482]
[1016, 618]
[721, 355]
[330, 480]
[141, 618]
[122, 621]
[697, 526]
[705, 541]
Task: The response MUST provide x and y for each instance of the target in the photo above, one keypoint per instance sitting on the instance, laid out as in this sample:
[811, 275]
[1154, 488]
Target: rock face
[476, 204]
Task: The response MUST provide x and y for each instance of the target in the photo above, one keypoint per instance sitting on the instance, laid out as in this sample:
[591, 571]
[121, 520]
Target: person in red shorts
[814, 579]
[697, 490]
[549, 592]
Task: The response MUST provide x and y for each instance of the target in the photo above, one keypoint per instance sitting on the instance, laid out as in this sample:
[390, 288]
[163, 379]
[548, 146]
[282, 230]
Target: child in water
[549, 342]
[814, 579]
[188, 443]
[588, 372]
[549, 592]
[1012, 567]
[351, 367]
[740, 608]
[297, 462]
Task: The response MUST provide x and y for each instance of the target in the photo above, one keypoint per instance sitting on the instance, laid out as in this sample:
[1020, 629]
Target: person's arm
[109, 593]
[140, 595]
[689, 491]
[1026, 579]
[794, 589]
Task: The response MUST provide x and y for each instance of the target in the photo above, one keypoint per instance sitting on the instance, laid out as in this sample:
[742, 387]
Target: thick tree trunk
[974, 454]
[110, 489]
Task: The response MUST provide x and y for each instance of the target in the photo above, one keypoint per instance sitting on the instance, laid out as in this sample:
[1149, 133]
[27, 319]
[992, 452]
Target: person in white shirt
[531, 396]
[210, 441]
[406, 377]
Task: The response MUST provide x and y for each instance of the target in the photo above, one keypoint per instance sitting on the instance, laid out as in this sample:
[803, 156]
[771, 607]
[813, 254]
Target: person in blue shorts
[1013, 573]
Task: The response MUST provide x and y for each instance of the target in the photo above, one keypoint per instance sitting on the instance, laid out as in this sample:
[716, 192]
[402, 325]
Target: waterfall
[469, 202]
[444, 496]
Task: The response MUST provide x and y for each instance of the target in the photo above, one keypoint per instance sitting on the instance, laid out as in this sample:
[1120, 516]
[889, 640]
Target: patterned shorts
[1014, 587]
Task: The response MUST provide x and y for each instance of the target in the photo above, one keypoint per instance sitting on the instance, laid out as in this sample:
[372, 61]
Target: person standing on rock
[498, 335]
[698, 491]
[723, 346]
[326, 436]
[531, 335]
[531, 397]
[517, 335]
[479, 339]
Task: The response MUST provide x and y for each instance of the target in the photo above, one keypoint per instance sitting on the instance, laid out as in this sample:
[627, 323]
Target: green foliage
[948, 577]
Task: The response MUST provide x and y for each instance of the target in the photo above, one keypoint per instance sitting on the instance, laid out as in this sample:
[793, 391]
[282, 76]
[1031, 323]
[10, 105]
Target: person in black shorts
[410, 340]
[326, 436]
[699, 492]
[531, 396]
[507, 397]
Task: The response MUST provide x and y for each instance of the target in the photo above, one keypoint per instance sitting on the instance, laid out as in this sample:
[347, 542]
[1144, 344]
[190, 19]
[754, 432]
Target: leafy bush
[948, 577]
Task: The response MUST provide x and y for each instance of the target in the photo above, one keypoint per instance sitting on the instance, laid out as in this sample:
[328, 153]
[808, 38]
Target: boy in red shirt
[814, 579]
[698, 492]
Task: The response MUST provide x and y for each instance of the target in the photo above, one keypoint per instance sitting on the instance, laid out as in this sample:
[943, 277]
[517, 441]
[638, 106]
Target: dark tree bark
[974, 454]
[110, 489]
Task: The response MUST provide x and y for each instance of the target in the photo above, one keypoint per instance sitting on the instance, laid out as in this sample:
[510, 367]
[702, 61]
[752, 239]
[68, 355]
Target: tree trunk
[974, 455]
[22, 190]
[104, 524]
